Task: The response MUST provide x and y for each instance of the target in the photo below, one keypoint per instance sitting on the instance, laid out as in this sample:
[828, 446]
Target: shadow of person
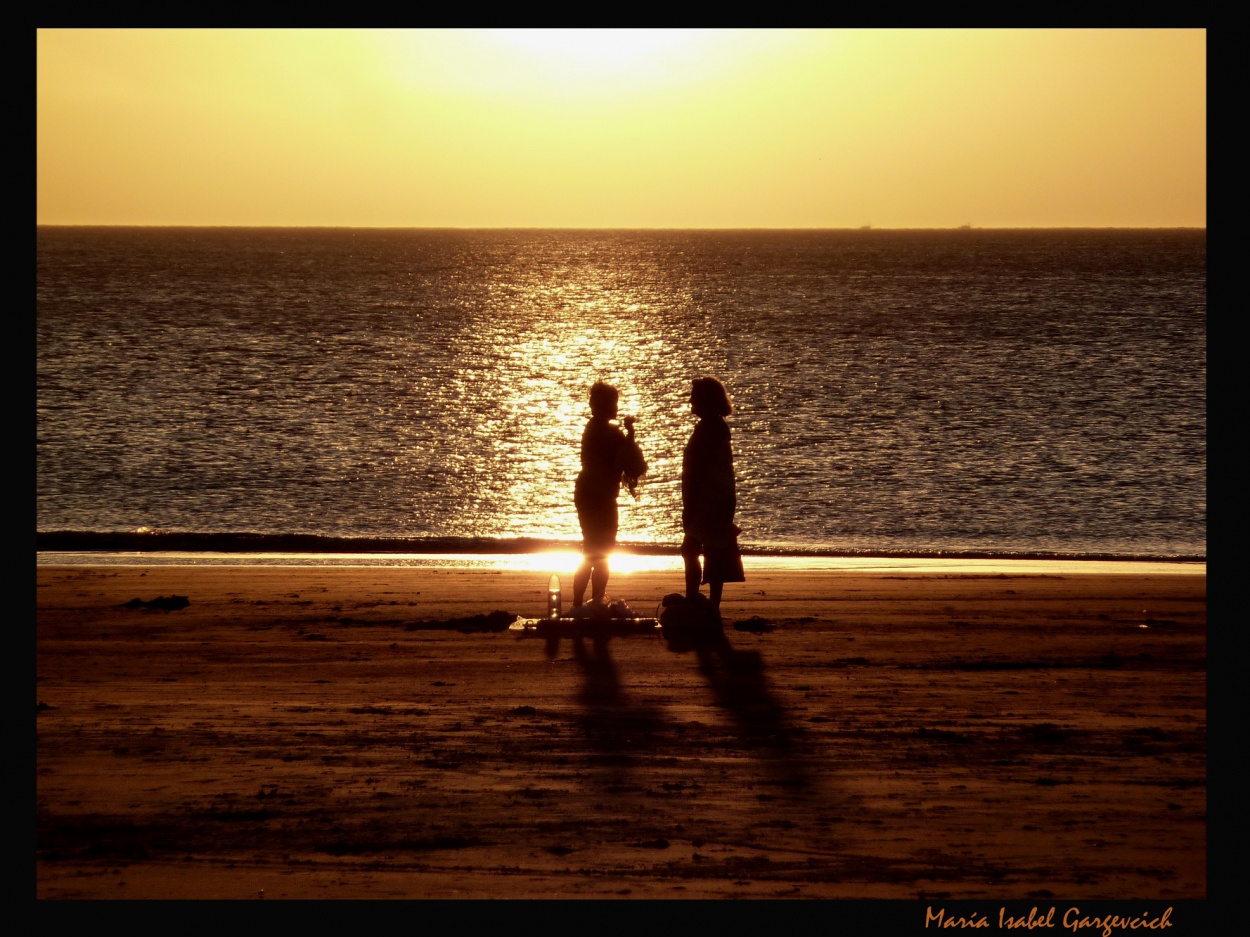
[740, 686]
[601, 688]
[616, 731]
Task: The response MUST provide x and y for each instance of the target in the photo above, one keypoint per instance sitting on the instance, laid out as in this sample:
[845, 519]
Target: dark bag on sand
[678, 613]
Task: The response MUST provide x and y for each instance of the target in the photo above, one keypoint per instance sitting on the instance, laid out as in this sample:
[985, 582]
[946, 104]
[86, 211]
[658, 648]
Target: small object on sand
[165, 603]
[755, 624]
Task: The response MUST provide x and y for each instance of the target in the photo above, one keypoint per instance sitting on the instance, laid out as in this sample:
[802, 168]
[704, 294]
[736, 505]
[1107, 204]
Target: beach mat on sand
[585, 626]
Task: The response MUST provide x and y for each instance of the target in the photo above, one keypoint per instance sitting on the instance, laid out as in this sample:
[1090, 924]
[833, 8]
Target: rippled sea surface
[1001, 391]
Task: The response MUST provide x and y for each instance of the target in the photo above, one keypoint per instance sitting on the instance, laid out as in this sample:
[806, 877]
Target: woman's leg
[599, 579]
[598, 522]
[690, 549]
[693, 576]
[580, 579]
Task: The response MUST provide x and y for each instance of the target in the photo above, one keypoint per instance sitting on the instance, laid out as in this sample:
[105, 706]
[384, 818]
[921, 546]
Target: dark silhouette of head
[603, 398]
[708, 398]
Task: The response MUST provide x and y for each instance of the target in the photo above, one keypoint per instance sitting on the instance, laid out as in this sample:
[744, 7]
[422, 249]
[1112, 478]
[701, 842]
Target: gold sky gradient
[629, 128]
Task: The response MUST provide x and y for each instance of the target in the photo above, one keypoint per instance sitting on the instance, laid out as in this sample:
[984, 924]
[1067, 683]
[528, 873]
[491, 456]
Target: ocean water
[1026, 392]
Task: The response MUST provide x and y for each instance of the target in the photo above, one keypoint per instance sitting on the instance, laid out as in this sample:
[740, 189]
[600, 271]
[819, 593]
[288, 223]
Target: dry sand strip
[330, 732]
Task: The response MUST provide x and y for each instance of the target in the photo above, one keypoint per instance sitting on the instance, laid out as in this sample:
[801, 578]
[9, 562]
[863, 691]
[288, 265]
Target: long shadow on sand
[739, 684]
[617, 731]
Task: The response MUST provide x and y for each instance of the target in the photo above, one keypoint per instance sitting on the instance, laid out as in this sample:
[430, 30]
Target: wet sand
[334, 732]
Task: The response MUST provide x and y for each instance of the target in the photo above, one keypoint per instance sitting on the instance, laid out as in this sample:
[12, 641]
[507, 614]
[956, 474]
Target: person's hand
[628, 422]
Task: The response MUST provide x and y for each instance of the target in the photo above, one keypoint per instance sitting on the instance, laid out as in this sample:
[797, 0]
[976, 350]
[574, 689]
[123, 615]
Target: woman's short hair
[603, 398]
[708, 397]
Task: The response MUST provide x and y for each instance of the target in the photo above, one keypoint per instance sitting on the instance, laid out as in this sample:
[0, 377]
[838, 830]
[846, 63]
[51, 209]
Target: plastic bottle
[553, 597]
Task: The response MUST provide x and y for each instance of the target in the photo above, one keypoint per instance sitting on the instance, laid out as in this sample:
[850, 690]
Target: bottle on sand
[553, 597]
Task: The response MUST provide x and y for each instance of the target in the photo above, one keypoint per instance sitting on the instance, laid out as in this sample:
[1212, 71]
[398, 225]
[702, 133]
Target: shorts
[599, 520]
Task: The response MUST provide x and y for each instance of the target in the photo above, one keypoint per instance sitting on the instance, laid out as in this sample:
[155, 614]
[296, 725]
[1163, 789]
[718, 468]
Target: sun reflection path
[545, 406]
[504, 463]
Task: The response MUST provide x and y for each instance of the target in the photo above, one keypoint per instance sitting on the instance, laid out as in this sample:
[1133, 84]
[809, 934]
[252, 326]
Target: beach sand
[333, 732]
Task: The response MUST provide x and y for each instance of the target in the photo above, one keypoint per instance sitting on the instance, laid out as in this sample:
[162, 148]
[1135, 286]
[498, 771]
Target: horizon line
[334, 227]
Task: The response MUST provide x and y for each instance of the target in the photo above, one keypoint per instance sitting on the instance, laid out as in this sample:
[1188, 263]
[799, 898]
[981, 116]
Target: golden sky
[826, 128]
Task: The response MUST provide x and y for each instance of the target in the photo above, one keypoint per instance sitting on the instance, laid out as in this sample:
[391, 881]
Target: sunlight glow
[557, 63]
[661, 128]
[564, 563]
[570, 53]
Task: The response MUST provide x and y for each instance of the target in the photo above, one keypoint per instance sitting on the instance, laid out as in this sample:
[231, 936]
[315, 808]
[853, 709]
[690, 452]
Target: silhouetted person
[608, 456]
[709, 497]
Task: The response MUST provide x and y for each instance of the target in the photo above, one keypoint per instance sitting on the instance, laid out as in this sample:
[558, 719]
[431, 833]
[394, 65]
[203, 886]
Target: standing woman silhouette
[709, 497]
[608, 455]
